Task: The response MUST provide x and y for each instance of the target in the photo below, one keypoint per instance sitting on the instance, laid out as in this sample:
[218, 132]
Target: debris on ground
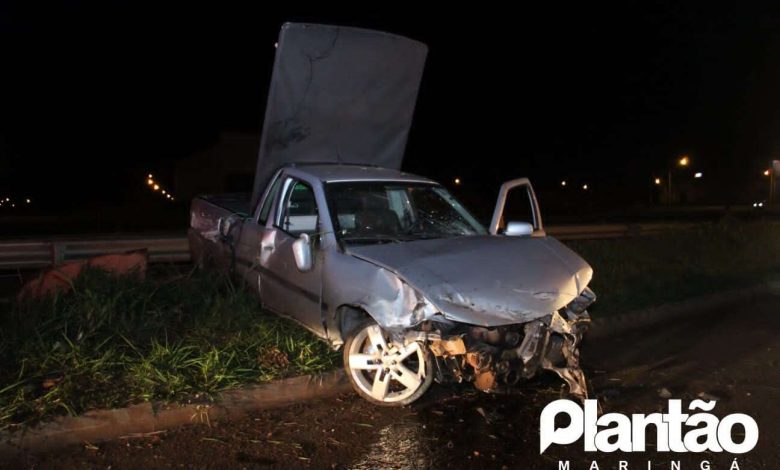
[481, 411]
[708, 396]
[60, 278]
[273, 358]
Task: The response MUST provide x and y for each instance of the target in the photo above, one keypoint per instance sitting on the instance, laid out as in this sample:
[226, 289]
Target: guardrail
[174, 248]
[598, 231]
[34, 254]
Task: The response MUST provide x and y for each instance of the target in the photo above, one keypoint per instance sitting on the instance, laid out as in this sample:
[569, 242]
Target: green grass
[634, 273]
[116, 341]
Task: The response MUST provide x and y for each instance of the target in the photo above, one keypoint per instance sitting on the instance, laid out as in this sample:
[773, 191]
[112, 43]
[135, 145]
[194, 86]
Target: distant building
[228, 165]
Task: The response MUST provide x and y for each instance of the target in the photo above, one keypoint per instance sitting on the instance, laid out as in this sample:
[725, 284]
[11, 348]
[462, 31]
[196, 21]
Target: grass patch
[116, 341]
[634, 273]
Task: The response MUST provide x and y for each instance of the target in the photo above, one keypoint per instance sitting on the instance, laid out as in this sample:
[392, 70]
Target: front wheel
[383, 371]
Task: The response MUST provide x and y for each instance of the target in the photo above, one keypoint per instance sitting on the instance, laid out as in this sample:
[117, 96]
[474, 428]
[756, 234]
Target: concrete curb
[602, 327]
[103, 425]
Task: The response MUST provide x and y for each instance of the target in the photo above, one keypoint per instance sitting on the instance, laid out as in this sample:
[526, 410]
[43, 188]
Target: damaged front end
[489, 310]
[504, 355]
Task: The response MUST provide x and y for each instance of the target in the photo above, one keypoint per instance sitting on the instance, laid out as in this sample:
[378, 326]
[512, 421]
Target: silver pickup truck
[387, 265]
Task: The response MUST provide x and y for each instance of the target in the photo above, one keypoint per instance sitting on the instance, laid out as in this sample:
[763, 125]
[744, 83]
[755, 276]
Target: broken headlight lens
[583, 301]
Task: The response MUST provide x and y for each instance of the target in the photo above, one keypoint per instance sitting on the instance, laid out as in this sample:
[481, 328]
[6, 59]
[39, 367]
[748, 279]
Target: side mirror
[498, 212]
[302, 251]
[518, 229]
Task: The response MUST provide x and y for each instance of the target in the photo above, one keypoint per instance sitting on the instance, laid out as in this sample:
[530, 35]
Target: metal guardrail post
[57, 253]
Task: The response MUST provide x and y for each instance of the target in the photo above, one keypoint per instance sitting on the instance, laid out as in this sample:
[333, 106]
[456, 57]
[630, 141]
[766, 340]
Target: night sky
[93, 95]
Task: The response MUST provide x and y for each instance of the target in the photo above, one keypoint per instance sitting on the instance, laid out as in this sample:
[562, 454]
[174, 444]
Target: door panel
[250, 253]
[284, 288]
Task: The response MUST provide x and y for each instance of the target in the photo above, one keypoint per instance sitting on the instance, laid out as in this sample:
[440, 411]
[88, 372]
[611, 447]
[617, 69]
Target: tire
[385, 372]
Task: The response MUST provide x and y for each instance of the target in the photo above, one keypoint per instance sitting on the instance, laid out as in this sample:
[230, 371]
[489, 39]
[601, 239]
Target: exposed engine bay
[502, 356]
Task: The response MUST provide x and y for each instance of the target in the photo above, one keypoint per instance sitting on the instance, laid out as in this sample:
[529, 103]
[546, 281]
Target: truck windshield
[389, 211]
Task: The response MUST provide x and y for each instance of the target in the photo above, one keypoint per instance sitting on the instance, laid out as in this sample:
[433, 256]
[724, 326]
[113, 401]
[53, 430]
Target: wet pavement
[731, 355]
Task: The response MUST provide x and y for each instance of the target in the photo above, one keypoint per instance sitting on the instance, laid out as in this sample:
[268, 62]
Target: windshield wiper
[372, 239]
[411, 236]
[427, 235]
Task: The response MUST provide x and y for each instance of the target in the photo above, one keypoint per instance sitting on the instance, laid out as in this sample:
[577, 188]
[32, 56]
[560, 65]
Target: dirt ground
[731, 354]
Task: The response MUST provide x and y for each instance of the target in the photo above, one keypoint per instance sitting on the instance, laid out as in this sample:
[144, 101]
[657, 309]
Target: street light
[658, 181]
[697, 175]
[457, 180]
[563, 183]
[684, 161]
[584, 187]
[768, 172]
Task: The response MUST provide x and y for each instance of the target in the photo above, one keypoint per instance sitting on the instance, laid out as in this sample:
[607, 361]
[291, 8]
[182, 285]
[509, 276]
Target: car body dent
[522, 279]
[374, 289]
[394, 303]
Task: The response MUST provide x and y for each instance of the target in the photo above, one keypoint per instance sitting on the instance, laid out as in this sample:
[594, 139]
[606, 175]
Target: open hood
[338, 94]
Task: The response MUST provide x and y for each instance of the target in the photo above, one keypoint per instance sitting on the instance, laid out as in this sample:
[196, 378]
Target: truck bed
[205, 239]
[236, 203]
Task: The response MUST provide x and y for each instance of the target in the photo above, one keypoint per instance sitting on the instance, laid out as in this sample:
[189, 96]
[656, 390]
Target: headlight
[583, 301]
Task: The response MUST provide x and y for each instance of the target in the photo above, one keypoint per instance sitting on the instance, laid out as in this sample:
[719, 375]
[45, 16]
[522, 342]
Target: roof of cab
[339, 172]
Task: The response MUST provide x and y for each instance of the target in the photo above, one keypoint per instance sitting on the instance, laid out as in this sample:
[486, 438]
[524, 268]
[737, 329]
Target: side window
[300, 213]
[268, 203]
[518, 207]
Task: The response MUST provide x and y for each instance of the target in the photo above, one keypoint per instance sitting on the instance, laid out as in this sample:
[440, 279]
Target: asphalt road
[731, 354]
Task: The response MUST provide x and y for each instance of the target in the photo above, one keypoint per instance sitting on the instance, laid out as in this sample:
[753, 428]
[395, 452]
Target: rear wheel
[383, 371]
